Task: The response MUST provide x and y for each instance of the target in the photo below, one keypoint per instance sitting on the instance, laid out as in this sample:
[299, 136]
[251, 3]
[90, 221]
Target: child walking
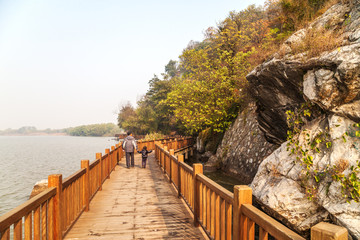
[144, 154]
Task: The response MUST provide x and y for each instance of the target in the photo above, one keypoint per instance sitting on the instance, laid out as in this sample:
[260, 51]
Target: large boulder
[278, 84]
[282, 183]
[331, 81]
[39, 187]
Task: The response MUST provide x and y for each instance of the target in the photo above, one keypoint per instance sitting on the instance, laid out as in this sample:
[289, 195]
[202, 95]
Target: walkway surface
[136, 203]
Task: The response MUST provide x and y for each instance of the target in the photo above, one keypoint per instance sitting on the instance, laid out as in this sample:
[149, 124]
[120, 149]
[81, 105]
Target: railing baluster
[28, 226]
[37, 223]
[250, 229]
[229, 208]
[208, 208]
[204, 194]
[263, 235]
[222, 220]
[5, 235]
[18, 230]
[217, 217]
[212, 213]
[44, 208]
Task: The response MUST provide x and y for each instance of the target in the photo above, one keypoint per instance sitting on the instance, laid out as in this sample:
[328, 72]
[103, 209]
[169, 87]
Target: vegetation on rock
[207, 87]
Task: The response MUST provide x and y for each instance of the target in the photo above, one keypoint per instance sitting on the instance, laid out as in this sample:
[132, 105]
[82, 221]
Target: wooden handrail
[58, 207]
[225, 215]
[186, 167]
[221, 191]
[94, 163]
[181, 149]
[270, 225]
[17, 213]
[104, 156]
[69, 180]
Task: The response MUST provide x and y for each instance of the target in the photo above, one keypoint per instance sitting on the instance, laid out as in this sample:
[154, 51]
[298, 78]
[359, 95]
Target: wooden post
[325, 230]
[161, 155]
[86, 185]
[113, 158]
[56, 181]
[107, 151]
[172, 152]
[99, 156]
[242, 195]
[166, 149]
[117, 153]
[180, 159]
[197, 169]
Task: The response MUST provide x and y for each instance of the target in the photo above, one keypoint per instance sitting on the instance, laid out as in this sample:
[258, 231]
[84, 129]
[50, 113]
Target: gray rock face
[332, 82]
[243, 147]
[280, 183]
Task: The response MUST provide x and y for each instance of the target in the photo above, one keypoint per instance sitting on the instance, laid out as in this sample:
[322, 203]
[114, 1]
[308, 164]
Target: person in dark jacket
[144, 154]
[129, 145]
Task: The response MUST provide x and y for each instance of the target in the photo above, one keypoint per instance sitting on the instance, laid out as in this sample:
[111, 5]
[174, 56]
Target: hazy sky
[66, 63]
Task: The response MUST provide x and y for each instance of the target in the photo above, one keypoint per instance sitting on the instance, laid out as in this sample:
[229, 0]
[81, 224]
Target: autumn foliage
[206, 87]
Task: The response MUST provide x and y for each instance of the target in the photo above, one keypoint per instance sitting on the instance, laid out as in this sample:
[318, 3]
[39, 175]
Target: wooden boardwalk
[136, 203]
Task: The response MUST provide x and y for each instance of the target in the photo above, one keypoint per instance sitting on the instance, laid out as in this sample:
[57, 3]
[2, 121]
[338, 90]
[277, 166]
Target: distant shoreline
[35, 134]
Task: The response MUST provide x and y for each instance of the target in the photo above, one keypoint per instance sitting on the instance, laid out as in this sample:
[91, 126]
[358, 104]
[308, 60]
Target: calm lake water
[25, 160]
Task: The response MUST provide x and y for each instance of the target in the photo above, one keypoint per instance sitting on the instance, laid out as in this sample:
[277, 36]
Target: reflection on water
[224, 179]
[25, 160]
[218, 176]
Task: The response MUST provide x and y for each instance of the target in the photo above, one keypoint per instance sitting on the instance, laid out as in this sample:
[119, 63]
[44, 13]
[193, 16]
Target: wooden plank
[242, 195]
[223, 220]
[5, 235]
[186, 167]
[201, 203]
[325, 230]
[212, 214]
[50, 220]
[18, 230]
[263, 235]
[204, 193]
[217, 217]
[28, 226]
[37, 224]
[198, 169]
[229, 222]
[72, 178]
[208, 208]
[251, 230]
[136, 203]
[94, 163]
[269, 224]
[44, 208]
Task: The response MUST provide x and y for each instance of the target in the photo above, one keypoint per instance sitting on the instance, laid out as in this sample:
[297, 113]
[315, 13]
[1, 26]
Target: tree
[171, 69]
[127, 117]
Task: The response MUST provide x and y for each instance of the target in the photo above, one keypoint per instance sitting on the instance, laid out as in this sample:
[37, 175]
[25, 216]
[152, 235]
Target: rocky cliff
[242, 148]
[316, 176]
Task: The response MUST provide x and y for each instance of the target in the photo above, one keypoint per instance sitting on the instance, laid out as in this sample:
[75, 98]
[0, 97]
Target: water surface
[25, 160]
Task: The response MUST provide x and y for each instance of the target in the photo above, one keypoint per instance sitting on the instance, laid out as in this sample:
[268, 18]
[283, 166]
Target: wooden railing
[222, 214]
[226, 215]
[51, 214]
[171, 143]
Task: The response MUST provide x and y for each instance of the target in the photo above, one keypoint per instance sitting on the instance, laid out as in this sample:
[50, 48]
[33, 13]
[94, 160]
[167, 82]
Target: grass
[317, 41]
